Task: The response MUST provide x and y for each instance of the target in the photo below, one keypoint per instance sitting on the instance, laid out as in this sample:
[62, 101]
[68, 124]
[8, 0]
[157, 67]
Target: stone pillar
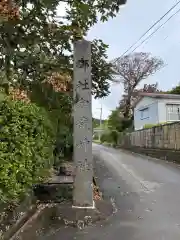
[83, 189]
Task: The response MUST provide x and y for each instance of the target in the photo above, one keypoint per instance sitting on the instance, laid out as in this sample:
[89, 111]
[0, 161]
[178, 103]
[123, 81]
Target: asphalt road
[145, 195]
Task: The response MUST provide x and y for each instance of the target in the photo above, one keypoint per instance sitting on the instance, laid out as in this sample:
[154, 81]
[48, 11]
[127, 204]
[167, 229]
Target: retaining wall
[159, 141]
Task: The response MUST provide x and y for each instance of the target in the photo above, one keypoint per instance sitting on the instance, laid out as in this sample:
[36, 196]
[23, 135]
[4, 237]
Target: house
[155, 108]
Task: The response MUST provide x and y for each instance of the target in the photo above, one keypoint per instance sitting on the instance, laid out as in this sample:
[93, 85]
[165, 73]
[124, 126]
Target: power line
[151, 35]
[153, 26]
[149, 29]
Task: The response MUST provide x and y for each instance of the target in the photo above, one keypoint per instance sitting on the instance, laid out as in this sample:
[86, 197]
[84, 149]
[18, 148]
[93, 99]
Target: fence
[160, 141]
[162, 137]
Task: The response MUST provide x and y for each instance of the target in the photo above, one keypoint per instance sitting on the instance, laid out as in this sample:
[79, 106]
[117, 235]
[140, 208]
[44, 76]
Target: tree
[148, 88]
[132, 69]
[102, 71]
[115, 120]
[96, 122]
[39, 43]
[175, 90]
[36, 50]
[8, 10]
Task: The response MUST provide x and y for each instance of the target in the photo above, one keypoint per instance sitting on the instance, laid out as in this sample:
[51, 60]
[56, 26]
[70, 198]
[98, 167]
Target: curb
[16, 229]
[8, 235]
[25, 221]
[34, 212]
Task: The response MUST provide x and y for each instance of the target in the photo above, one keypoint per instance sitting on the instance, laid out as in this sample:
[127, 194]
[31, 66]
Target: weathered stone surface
[56, 217]
[83, 191]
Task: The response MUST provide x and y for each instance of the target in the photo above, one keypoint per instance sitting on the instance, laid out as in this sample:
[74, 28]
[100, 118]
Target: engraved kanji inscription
[83, 144]
[83, 102]
[82, 63]
[84, 165]
[82, 122]
[84, 85]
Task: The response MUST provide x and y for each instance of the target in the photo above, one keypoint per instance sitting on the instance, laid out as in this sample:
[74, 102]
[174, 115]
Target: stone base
[84, 207]
[82, 217]
[56, 217]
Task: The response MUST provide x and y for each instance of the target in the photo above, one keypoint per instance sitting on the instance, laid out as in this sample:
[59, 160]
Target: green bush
[114, 136]
[95, 137]
[105, 137]
[64, 145]
[155, 125]
[26, 148]
[149, 125]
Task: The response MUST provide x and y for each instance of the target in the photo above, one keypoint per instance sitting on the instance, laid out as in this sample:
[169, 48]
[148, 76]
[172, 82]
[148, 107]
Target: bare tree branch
[134, 68]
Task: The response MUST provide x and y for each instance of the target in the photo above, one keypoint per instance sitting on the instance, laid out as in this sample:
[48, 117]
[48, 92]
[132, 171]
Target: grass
[104, 143]
[96, 141]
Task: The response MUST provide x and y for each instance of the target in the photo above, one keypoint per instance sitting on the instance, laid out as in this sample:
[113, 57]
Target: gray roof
[159, 95]
[156, 95]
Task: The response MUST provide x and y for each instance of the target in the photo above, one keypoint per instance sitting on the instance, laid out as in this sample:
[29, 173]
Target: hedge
[110, 137]
[155, 125]
[26, 148]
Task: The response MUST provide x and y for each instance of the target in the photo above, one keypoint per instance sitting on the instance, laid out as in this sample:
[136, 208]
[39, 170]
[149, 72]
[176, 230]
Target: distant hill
[96, 122]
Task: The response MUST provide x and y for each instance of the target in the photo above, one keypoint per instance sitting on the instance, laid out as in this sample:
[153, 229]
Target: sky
[121, 32]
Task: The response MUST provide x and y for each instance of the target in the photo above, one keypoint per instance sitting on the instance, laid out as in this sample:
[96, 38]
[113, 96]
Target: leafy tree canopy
[96, 122]
[175, 90]
[35, 42]
[115, 120]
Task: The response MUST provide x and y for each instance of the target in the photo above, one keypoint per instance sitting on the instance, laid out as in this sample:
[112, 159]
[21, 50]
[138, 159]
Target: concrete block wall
[160, 142]
[161, 137]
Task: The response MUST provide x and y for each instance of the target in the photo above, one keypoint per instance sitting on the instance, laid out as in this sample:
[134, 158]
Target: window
[173, 112]
[144, 113]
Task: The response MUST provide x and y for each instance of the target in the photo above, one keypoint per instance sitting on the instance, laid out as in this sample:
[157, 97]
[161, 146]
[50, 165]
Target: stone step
[61, 180]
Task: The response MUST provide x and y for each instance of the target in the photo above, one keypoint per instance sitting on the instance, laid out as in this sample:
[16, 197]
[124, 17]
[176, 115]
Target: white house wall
[145, 101]
[162, 108]
[153, 118]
